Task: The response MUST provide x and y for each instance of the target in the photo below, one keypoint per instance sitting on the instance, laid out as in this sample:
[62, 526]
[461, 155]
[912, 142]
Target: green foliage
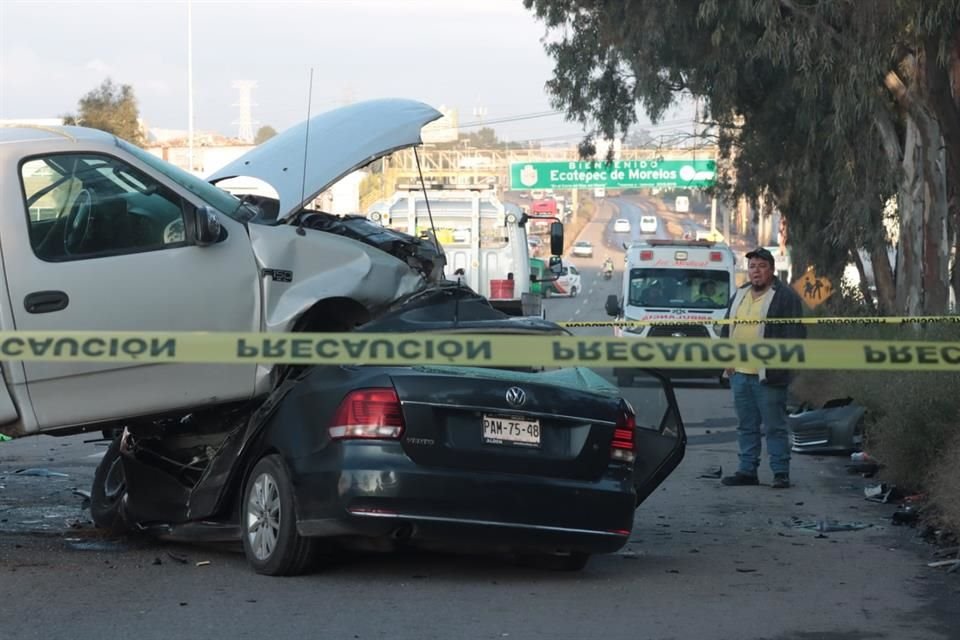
[795, 87]
[112, 108]
[264, 133]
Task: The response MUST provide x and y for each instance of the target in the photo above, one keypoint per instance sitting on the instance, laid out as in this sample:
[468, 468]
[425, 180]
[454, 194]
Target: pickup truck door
[104, 245]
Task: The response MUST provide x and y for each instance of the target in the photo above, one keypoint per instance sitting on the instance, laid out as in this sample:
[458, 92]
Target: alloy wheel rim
[263, 516]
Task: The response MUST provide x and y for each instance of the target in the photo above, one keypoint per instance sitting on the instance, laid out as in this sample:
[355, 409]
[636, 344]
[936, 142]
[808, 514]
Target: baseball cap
[763, 254]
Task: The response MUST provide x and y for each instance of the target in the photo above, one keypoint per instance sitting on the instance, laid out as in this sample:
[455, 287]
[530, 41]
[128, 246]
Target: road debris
[43, 473]
[827, 525]
[943, 563]
[5, 438]
[906, 514]
[176, 558]
[882, 493]
[203, 563]
[712, 473]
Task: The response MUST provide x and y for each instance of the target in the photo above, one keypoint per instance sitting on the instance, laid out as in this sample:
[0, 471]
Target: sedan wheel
[270, 539]
[109, 492]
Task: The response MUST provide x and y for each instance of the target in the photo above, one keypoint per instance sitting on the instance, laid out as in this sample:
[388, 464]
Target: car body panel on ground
[835, 427]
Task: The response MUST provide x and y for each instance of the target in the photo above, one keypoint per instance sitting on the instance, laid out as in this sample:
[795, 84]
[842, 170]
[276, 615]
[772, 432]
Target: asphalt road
[704, 561]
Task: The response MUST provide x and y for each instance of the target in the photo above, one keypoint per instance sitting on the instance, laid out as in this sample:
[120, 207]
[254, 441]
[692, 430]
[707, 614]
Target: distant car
[566, 284]
[648, 224]
[712, 236]
[583, 249]
[622, 225]
[535, 244]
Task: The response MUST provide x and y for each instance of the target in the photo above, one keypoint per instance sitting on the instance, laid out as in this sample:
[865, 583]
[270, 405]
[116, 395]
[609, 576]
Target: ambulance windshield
[679, 288]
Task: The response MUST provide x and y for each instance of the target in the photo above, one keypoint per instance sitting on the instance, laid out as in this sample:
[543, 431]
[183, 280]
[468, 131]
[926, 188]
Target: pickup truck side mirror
[206, 226]
[556, 238]
[613, 306]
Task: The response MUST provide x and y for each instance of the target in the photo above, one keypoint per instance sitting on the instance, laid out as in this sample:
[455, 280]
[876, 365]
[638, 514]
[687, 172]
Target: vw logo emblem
[516, 397]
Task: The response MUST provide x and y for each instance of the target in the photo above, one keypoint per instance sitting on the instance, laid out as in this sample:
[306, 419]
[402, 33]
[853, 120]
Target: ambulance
[674, 280]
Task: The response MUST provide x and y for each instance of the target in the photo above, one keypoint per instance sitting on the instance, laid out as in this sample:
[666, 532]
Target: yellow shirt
[750, 309]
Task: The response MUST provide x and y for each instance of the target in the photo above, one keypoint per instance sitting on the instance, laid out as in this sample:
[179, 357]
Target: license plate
[511, 431]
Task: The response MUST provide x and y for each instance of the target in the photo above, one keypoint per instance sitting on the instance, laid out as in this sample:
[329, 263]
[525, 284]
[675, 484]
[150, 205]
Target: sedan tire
[269, 522]
[109, 491]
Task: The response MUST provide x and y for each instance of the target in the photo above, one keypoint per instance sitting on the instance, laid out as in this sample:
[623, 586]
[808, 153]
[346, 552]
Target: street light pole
[190, 85]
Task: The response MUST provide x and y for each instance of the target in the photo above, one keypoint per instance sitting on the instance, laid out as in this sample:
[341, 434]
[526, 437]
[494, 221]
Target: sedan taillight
[621, 449]
[368, 413]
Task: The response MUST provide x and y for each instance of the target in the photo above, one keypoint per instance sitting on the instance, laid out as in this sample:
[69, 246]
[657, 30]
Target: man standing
[760, 394]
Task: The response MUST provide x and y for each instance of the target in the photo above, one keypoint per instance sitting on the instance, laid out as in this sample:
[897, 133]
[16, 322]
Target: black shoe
[740, 480]
[781, 481]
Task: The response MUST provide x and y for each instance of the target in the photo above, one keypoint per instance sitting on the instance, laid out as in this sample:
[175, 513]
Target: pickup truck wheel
[109, 491]
[269, 522]
[573, 292]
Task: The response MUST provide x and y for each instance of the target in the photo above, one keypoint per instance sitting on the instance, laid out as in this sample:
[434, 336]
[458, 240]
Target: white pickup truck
[97, 234]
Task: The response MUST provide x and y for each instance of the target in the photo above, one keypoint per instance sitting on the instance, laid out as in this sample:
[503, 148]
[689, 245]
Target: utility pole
[190, 85]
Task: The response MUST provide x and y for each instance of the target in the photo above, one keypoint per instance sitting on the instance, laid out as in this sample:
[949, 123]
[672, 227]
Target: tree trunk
[864, 283]
[910, 209]
[922, 261]
[883, 277]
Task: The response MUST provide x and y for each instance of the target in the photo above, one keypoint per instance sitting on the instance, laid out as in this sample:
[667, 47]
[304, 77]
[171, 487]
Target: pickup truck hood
[337, 142]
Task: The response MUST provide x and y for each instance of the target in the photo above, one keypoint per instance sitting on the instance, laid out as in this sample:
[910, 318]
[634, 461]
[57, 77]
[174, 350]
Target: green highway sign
[621, 174]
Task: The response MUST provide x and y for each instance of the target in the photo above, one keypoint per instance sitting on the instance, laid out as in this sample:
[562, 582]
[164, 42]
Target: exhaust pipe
[402, 533]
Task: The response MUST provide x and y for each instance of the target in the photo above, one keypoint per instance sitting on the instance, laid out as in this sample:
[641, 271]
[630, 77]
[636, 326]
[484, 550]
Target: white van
[674, 280]
[567, 283]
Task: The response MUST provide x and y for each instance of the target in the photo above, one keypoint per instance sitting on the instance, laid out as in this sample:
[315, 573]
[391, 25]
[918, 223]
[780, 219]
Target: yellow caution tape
[696, 320]
[475, 350]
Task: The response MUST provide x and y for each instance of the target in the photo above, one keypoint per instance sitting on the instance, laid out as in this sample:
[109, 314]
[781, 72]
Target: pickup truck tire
[109, 491]
[269, 522]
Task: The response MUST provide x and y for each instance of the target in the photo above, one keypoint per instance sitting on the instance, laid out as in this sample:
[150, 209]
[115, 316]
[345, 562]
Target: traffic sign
[812, 288]
[620, 174]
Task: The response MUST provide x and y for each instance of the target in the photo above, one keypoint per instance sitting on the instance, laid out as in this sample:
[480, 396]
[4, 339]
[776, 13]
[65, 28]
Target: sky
[483, 57]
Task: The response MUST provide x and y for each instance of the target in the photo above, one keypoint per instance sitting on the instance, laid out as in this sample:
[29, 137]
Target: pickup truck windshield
[216, 197]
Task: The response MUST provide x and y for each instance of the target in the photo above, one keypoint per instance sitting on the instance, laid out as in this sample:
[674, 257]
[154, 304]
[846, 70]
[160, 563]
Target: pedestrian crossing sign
[812, 288]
